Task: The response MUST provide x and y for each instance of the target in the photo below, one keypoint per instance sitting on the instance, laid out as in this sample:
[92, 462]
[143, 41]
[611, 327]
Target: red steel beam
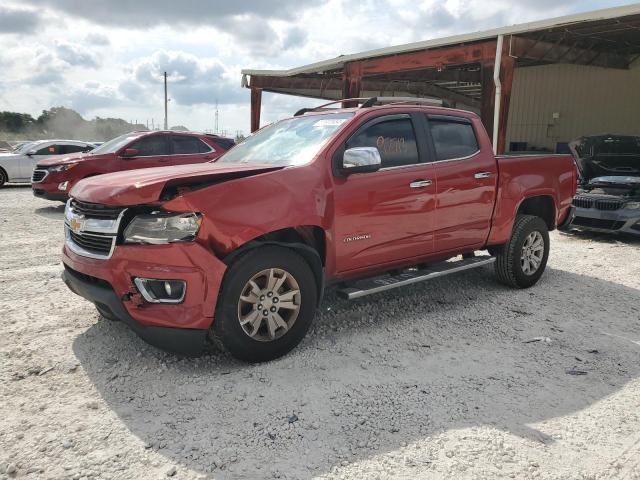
[437, 58]
[506, 76]
[351, 83]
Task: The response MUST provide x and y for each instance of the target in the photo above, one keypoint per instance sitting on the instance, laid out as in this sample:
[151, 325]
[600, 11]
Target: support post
[351, 83]
[508, 65]
[166, 101]
[486, 107]
[256, 105]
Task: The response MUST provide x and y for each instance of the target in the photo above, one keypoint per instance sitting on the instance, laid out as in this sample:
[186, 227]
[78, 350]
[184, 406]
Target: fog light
[161, 291]
[63, 186]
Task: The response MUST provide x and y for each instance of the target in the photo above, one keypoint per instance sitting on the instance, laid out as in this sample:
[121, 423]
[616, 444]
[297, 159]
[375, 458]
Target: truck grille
[608, 204]
[91, 230]
[597, 223]
[38, 175]
[95, 210]
[95, 244]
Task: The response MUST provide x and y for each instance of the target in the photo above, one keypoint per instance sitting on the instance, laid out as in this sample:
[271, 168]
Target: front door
[466, 176]
[43, 151]
[386, 217]
[153, 151]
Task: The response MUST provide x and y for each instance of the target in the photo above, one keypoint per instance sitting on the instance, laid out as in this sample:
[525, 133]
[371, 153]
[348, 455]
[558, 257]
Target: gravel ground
[434, 381]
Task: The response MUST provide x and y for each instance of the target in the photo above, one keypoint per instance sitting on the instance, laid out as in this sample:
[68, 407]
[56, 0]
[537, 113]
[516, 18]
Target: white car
[18, 166]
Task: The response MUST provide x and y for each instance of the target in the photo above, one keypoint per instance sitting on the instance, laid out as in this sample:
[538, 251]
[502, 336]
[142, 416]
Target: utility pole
[166, 123]
[215, 128]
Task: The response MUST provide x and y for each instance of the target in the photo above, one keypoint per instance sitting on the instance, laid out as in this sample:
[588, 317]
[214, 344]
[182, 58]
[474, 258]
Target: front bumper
[180, 328]
[618, 221]
[48, 189]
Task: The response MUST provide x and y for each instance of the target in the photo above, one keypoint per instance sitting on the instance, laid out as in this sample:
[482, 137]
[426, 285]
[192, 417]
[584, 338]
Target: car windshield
[25, 147]
[115, 144]
[294, 141]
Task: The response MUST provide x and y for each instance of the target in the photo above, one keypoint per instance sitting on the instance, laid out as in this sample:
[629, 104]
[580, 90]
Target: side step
[367, 286]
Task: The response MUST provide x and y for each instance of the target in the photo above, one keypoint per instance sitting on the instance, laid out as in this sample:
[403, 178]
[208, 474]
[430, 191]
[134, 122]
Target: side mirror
[130, 152]
[31, 152]
[361, 160]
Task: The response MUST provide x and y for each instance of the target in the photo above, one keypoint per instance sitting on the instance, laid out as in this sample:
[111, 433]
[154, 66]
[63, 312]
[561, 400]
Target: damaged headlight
[162, 228]
[632, 205]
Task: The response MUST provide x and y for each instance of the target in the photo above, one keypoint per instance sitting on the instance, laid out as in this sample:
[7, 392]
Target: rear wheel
[266, 305]
[522, 260]
[3, 177]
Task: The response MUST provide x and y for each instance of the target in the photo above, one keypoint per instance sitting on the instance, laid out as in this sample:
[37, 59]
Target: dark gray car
[608, 196]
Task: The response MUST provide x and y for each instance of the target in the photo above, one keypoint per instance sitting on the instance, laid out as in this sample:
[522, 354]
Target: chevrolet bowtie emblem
[75, 225]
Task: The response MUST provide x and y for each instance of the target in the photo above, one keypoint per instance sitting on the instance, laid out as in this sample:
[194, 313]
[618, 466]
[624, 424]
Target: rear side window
[225, 143]
[394, 139]
[453, 139]
[185, 145]
[64, 149]
[150, 146]
[49, 150]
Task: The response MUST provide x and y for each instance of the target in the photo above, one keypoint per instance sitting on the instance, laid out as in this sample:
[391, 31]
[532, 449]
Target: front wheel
[3, 178]
[521, 261]
[266, 305]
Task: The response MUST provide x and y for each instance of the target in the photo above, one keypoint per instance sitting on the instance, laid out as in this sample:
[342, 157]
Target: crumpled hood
[144, 186]
[64, 159]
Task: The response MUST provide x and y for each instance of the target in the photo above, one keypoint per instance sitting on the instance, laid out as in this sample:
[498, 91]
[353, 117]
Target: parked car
[608, 196]
[53, 179]
[17, 166]
[5, 147]
[238, 252]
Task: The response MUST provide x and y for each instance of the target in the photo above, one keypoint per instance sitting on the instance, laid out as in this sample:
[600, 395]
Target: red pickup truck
[54, 177]
[238, 252]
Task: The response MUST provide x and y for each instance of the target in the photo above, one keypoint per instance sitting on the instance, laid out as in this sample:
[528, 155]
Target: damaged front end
[608, 196]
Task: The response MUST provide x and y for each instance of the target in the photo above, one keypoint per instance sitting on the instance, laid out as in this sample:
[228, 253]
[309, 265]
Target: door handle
[483, 175]
[420, 183]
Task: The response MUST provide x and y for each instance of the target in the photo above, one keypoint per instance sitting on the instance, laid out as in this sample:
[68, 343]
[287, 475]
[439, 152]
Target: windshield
[25, 147]
[115, 144]
[294, 141]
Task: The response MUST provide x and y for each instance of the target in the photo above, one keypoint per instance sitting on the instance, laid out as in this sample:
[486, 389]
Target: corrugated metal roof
[338, 62]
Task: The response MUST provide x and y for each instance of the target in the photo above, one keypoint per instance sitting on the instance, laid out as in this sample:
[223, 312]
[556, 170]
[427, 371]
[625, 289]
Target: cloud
[97, 39]
[19, 21]
[76, 55]
[92, 96]
[192, 80]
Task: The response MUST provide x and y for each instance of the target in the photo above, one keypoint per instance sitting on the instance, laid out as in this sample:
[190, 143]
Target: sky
[106, 58]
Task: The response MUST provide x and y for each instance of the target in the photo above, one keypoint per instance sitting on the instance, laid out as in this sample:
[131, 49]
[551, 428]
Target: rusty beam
[488, 97]
[351, 83]
[256, 105]
[437, 58]
[506, 77]
[548, 52]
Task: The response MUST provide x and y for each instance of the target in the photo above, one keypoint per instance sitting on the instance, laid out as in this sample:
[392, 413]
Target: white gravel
[434, 381]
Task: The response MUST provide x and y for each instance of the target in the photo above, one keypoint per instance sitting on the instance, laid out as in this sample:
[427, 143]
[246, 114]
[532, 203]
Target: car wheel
[105, 313]
[266, 304]
[3, 178]
[521, 262]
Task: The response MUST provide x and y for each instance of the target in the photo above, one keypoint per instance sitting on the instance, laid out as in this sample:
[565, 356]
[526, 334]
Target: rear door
[190, 149]
[466, 177]
[387, 216]
[153, 151]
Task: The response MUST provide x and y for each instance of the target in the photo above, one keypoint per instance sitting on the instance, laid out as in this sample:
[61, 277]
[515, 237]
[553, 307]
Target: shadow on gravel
[602, 237]
[377, 374]
[54, 211]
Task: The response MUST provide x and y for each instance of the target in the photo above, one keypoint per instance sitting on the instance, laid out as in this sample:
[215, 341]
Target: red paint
[395, 225]
[89, 165]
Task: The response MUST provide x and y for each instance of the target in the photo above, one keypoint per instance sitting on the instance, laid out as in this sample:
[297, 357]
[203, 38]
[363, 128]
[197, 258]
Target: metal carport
[463, 69]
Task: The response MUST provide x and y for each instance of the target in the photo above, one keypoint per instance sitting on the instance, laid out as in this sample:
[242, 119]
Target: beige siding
[590, 100]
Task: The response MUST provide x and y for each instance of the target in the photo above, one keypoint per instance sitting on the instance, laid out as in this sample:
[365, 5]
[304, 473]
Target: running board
[381, 283]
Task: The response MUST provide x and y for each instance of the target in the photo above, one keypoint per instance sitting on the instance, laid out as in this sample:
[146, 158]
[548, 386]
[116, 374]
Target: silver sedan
[17, 167]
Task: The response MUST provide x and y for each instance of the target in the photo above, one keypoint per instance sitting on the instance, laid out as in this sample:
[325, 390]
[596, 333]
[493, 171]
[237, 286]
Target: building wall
[589, 100]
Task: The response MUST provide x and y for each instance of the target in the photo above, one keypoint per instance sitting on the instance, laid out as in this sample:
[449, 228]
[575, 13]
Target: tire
[106, 314]
[3, 178]
[510, 265]
[259, 340]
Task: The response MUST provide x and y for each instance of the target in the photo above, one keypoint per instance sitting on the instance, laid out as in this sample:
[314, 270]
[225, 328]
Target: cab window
[395, 139]
[453, 139]
[66, 149]
[151, 146]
